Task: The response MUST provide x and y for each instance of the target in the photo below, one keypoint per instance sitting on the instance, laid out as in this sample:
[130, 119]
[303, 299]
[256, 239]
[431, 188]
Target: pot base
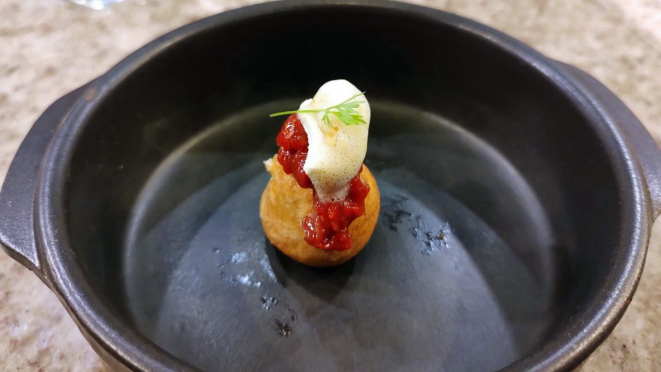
[460, 273]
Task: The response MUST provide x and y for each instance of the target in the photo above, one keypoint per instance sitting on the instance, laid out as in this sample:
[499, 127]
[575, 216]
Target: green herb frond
[346, 112]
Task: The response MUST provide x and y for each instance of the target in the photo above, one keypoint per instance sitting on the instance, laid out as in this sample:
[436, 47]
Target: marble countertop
[49, 47]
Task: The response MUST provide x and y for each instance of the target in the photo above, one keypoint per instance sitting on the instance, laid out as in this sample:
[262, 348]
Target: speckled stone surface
[49, 47]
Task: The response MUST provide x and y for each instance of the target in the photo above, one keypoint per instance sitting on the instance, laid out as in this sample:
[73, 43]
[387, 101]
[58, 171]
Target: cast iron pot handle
[18, 191]
[646, 150]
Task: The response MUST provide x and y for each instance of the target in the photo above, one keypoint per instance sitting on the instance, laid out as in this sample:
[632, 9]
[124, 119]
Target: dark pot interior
[499, 210]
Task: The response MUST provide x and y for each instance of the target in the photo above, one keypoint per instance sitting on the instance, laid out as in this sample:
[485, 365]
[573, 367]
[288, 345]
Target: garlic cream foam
[335, 153]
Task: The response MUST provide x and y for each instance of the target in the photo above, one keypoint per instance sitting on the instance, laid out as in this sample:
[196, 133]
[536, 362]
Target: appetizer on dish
[321, 205]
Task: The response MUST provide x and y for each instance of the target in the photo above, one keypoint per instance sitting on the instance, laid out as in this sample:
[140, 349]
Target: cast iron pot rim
[108, 330]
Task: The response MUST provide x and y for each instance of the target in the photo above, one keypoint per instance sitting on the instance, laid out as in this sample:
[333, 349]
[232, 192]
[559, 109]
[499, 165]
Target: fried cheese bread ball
[283, 206]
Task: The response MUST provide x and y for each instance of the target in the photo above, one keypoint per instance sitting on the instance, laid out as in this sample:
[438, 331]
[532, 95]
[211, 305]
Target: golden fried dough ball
[284, 204]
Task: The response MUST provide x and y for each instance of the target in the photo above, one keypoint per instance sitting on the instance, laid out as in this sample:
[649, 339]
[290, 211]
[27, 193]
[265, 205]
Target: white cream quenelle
[335, 153]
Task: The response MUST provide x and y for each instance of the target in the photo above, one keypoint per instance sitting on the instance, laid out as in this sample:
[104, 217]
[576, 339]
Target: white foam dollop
[334, 154]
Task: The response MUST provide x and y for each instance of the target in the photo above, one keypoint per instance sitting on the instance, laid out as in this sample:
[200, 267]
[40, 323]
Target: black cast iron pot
[517, 199]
